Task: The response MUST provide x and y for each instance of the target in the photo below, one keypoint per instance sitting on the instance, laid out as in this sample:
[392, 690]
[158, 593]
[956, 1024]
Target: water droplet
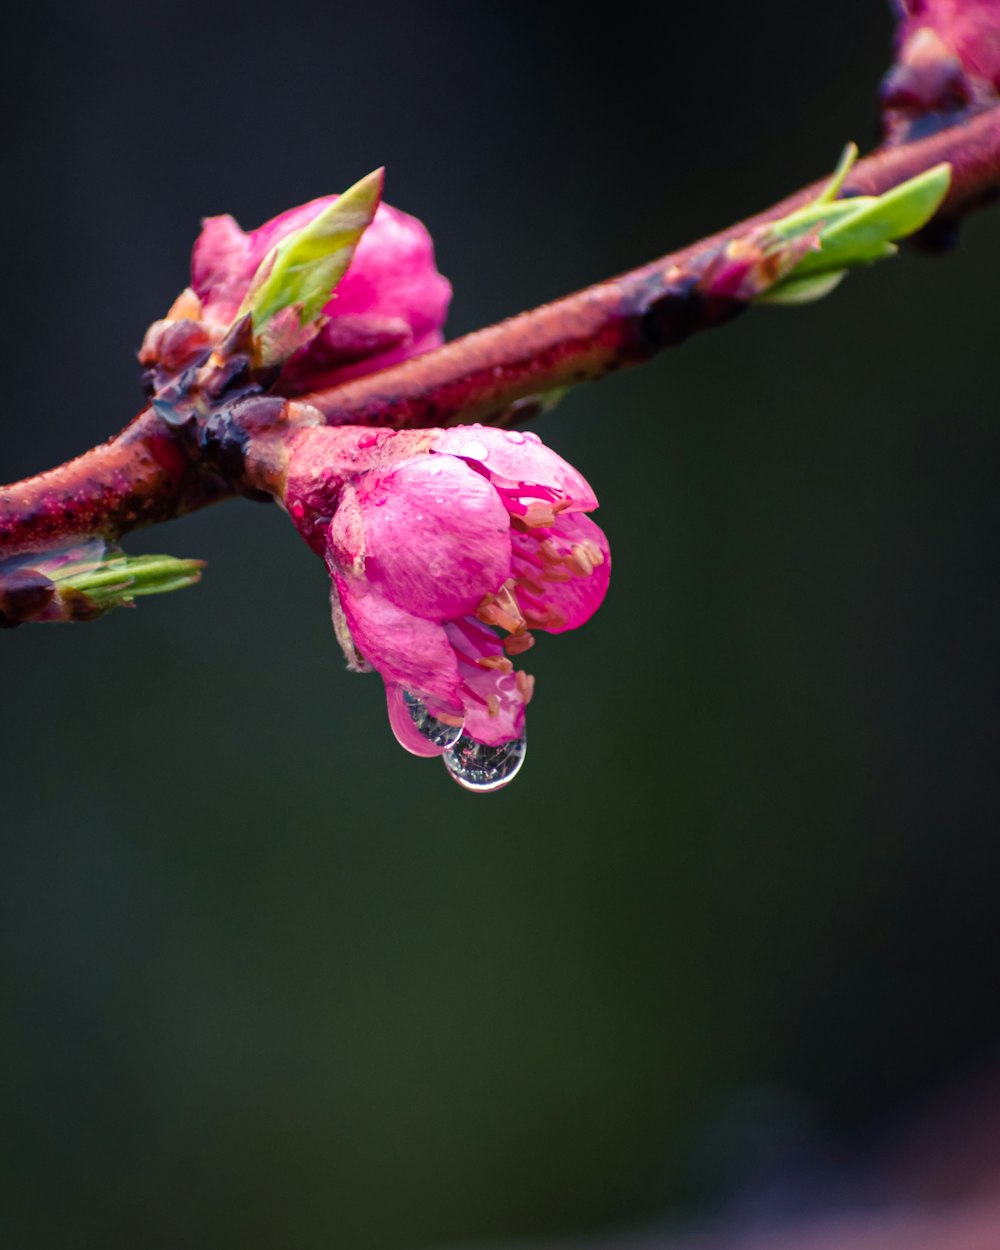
[514, 436]
[368, 440]
[437, 732]
[474, 450]
[480, 768]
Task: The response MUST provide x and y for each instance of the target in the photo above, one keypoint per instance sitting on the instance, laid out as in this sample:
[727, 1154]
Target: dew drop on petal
[514, 436]
[482, 768]
[474, 451]
[437, 732]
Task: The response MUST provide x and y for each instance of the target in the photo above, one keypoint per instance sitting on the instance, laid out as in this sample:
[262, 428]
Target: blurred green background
[267, 980]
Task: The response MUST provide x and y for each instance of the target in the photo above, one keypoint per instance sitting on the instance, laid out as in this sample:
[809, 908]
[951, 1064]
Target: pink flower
[390, 305]
[969, 28]
[446, 549]
[947, 63]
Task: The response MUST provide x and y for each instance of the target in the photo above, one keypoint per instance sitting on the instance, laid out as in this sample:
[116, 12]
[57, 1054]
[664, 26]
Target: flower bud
[389, 305]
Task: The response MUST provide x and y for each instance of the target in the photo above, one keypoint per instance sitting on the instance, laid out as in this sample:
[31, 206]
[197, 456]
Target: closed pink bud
[390, 305]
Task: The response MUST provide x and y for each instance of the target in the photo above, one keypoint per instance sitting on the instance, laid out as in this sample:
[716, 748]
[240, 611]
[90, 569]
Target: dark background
[267, 980]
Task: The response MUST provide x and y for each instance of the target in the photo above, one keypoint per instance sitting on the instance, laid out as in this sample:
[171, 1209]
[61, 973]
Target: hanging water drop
[480, 768]
[437, 732]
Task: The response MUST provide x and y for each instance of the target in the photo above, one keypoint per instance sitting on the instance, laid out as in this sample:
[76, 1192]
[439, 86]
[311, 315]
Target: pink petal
[361, 341]
[970, 28]
[405, 649]
[392, 279]
[265, 237]
[513, 458]
[305, 380]
[393, 272]
[507, 724]
[436, 536]
[407, 734]
[220, 269]
[494, 708]
[573, 598]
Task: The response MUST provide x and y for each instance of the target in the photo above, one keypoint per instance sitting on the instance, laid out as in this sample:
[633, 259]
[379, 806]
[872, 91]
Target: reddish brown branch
[139, 477]
[143, 475]
[628, 318]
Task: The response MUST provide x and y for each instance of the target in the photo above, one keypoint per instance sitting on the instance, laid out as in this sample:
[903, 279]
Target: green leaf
[852, 232]
[303, 270]
[118, 579]
[802, 290]
[905, 208]
[867, 233]
[817, 214]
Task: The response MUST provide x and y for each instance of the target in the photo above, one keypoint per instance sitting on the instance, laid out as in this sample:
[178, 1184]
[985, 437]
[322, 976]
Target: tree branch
[140, 477]
[628, 319]
[146, 475]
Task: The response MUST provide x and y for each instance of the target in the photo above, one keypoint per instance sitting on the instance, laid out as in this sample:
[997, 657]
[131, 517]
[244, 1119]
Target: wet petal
[408, 734]
[499, 716]
[394, 274]
[405, 649]
[562, 572]
[493, 697]
[513, 458]
[436, 536]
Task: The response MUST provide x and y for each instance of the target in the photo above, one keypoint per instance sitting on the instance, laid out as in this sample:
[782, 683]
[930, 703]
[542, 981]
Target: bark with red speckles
[140, 477]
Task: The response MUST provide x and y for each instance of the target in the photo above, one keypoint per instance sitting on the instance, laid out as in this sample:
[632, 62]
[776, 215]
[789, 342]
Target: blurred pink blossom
[968, 28]
[947, 63]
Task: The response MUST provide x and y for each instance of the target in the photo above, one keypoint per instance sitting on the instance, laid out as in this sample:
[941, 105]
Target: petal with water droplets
[555, 569]
[510, 462]
[437, 536]
[406, 649]
[494, 706]
[417, 730]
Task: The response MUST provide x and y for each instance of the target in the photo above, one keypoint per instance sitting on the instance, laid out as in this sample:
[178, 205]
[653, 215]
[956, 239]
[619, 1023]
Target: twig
[149, 473]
